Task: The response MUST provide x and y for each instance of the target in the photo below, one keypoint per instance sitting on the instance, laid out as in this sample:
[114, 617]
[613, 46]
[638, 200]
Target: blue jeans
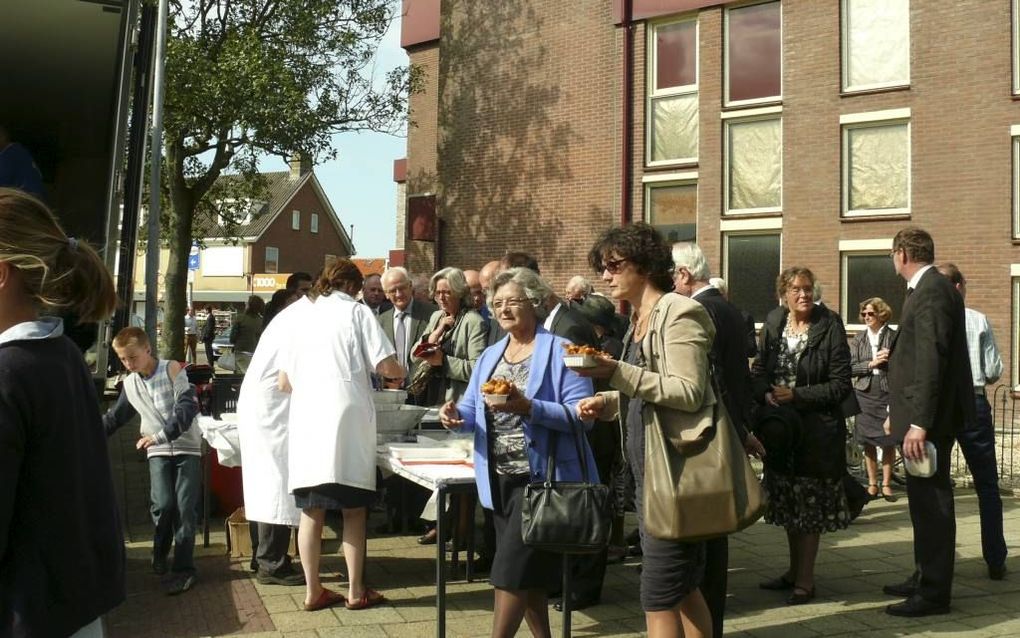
[176, 485]
[978, 446]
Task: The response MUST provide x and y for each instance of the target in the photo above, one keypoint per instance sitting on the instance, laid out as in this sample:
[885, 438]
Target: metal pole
[152, 250]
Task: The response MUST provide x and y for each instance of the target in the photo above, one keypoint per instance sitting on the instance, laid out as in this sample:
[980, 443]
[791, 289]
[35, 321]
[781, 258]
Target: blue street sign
[193, 259]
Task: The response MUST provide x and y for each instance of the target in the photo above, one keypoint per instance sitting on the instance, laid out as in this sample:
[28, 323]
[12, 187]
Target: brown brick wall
[529, 136]
[300, 249]
[422, 145]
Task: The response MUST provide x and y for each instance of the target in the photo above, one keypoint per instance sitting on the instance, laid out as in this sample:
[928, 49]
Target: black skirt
[517, 566]
[333, 496]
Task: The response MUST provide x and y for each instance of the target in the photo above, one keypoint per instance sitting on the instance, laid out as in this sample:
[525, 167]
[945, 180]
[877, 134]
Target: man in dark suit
[930, 398]
[372, 295]
[405, 321]
[733, 376]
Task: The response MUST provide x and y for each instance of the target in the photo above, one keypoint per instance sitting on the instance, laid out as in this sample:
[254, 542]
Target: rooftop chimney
[300, 165]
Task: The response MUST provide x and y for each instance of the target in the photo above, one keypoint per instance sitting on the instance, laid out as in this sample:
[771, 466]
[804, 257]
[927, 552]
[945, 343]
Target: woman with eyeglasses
[801, 381]
[661, 375]
[513, 437]
[869, 362]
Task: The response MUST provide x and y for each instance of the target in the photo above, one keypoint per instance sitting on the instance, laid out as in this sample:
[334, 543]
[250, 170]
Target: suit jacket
[461, 349]
[420, 315]
[930, 384]
[729, 354]
[551, 386]
[572, 326]
[860, 357]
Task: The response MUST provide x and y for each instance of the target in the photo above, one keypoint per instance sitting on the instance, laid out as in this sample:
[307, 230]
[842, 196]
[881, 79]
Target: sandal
[872, 490]
[327, 598]
[800, 596]
[778, 583]
[369, 598]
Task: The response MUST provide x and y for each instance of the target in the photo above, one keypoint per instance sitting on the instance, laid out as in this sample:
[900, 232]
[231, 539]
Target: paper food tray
[427, 453]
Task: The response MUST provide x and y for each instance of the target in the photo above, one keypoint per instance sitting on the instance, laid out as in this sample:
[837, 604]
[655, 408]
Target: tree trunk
[176, 277]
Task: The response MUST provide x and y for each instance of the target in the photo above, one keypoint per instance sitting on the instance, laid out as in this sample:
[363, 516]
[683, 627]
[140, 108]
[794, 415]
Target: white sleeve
[375, 346]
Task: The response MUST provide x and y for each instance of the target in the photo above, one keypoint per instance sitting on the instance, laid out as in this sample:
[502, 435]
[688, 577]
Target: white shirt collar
[43, 328]
[917, 276]
[701, 290]
[547, 324]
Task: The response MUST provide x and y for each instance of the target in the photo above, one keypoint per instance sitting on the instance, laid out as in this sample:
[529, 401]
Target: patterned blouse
[509, 453]
[791, 346]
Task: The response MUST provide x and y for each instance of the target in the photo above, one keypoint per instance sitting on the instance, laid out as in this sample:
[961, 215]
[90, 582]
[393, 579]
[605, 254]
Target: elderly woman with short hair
[869, 362]
[461, 333]
[513, 440]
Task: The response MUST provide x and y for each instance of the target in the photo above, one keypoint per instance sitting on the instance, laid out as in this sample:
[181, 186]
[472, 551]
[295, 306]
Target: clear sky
[359, 183]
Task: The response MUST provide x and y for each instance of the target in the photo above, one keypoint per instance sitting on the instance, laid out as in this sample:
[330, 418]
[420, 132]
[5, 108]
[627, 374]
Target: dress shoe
[997, 572]
[777, 584]
[577, 603]
[915, 607]
[428, 538]
[292, 578]
[906, 589]
[801, 596]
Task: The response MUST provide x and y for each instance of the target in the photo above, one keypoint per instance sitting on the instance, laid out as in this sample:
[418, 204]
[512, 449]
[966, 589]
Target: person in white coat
[332, 426]
[262, 411]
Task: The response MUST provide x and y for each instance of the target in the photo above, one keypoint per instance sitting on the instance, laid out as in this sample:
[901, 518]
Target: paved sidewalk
[852, 567]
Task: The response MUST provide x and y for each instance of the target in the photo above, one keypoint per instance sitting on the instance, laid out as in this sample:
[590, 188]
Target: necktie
[400, 339]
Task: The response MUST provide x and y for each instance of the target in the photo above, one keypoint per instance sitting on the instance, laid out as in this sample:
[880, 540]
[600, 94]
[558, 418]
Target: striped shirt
[985, 362]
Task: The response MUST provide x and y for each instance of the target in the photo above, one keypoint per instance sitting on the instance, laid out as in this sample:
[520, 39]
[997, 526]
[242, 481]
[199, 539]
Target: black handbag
[562, 516]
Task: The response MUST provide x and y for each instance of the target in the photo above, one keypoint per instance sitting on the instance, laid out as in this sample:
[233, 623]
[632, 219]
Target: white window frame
[870, 120]
[845, 56]
[1014, 135]
[1014, 354]
[857, 248]
[295, 220]
[689, 178]
[652, 94]
[740, 117]
[740, 231]
[726, 58]
[1015, 15]
[313, 223]
[272, 250]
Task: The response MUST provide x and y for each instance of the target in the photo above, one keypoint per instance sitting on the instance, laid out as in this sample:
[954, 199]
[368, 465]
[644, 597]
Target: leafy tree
[251, 78]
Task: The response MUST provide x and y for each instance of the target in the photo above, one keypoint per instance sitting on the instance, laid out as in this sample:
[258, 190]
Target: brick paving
[852, 567]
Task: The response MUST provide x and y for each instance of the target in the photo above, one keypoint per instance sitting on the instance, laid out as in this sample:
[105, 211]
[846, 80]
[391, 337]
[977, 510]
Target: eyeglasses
[796, 292]
[443, 293]
[509, 302]
[614, 266]
[868, 313]
[396, 289]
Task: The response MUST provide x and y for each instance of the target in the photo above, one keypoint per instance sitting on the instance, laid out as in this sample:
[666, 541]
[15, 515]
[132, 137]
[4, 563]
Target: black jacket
[823, 396]
[61, 547]
[930, 384]
[860, 357]
[729, 354]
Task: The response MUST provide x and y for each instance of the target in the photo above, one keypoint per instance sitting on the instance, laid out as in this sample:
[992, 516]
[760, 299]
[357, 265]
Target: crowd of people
[306, 420]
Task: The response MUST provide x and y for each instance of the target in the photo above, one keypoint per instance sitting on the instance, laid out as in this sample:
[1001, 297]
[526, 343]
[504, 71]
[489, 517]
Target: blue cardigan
[551, 385]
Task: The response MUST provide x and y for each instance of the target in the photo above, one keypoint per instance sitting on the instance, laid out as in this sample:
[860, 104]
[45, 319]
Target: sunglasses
[614, 266]
[868, 313]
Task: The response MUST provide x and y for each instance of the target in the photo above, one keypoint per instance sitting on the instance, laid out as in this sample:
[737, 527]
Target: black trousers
[713, 584]
[271, 555]
[978, 447]
[933, 516]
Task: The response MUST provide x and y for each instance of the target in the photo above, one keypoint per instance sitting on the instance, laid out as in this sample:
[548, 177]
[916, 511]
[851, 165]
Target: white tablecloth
[222, 437]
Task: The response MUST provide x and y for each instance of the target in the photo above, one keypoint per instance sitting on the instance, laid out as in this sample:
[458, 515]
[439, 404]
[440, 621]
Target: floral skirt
[806, 505]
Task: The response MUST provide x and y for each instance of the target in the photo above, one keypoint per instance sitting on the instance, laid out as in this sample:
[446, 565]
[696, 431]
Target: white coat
[332, 414]
[262, 412]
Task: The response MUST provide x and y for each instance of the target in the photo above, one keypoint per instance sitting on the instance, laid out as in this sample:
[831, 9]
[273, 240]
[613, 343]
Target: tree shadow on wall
[501, 154]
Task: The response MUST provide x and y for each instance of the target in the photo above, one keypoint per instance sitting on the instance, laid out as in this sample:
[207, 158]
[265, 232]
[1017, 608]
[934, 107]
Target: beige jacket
[675, 380]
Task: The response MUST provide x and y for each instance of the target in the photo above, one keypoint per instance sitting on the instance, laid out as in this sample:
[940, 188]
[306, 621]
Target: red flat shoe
[370, 598]
[327, 598]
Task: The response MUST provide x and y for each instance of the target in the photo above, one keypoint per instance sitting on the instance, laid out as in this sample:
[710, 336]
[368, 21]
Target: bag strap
[554, 440]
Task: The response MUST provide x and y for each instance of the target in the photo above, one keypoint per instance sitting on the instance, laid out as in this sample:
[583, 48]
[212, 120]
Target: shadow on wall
[502, 156]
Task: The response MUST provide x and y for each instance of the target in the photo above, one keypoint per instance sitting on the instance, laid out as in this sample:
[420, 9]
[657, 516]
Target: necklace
[515, 357]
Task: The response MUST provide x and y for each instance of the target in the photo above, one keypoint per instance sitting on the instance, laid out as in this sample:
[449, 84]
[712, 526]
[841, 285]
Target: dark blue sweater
[61, 546]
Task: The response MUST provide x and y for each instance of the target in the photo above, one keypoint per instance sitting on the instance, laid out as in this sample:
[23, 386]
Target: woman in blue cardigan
[512, 441]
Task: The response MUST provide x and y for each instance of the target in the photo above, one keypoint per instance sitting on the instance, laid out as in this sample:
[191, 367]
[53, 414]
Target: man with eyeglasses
[405, 321]
[978, 443]
[931, 398]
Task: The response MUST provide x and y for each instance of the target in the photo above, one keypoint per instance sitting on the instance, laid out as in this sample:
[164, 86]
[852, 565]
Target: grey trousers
[271, 555]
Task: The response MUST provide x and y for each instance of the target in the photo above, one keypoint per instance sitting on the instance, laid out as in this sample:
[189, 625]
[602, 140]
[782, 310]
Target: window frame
[689, 178]
[767, 228]
[1014, 353]
[1015, 40]
[844, 50]
[775, 99]
[295, 220]
[741, 117]
[873, 119]
[652, 94]
[1014, 139]
[313, 223]
[857, 248]
[275, 261]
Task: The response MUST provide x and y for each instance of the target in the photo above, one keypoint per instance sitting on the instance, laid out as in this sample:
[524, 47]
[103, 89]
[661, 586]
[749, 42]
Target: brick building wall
[300, 250]
[422, 146]
[526, 153]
